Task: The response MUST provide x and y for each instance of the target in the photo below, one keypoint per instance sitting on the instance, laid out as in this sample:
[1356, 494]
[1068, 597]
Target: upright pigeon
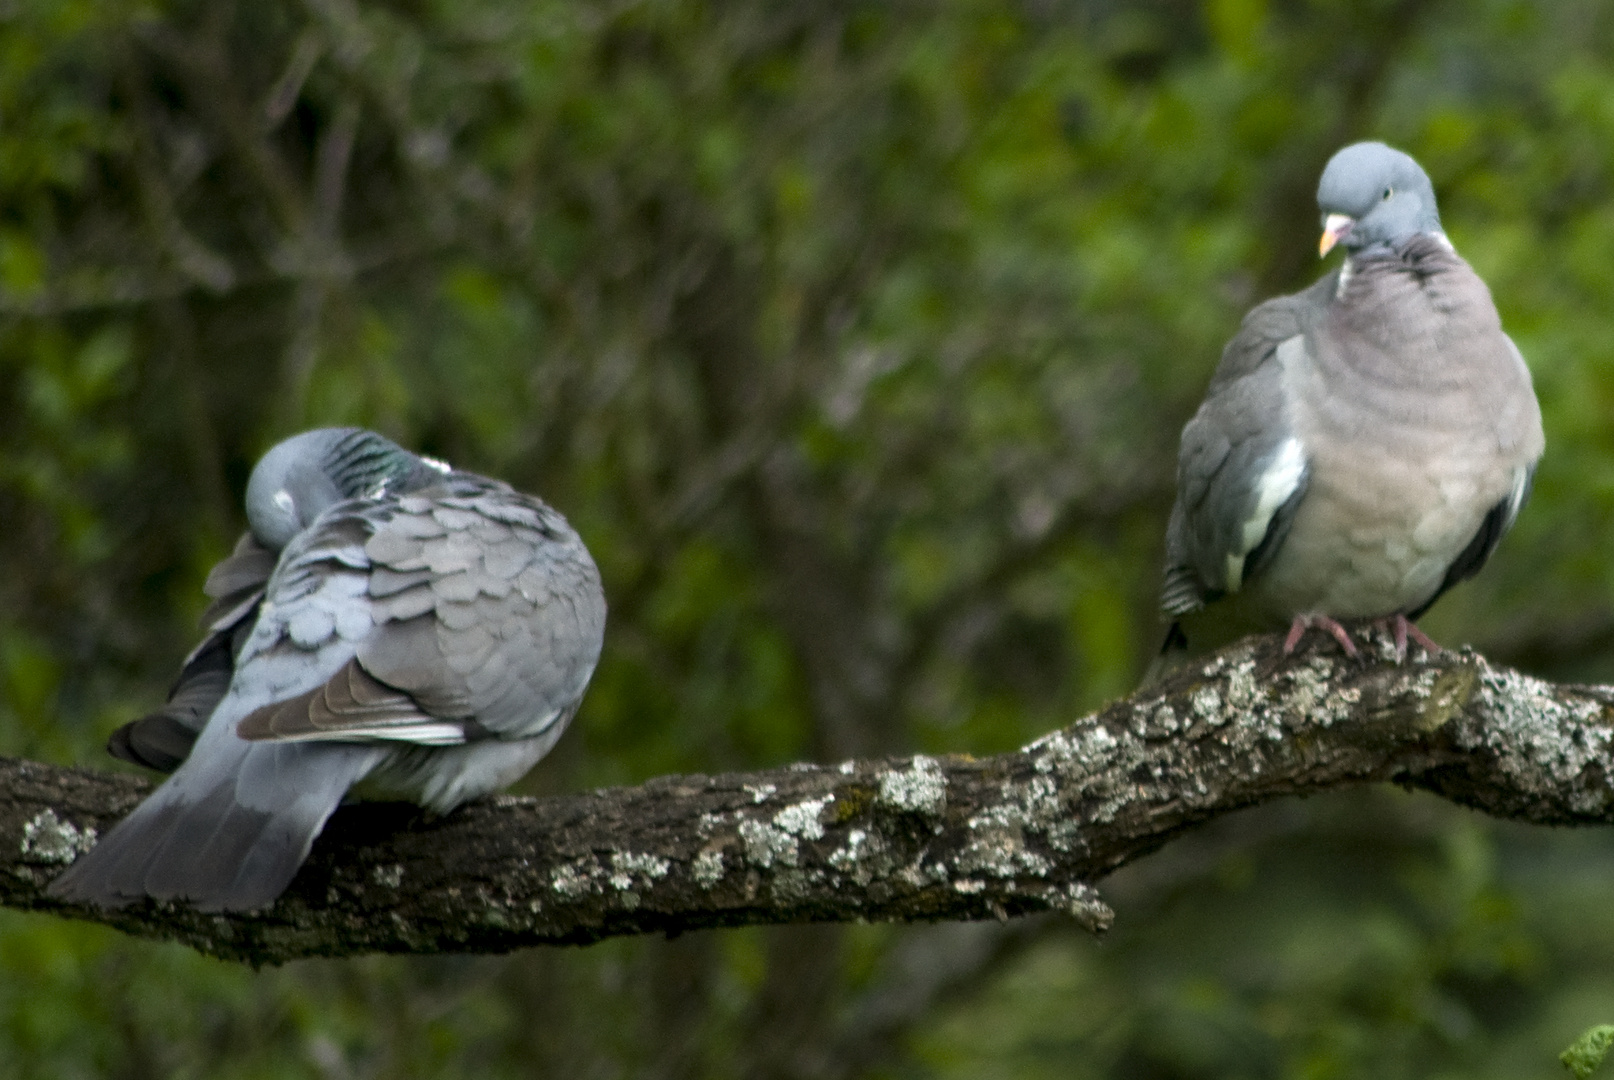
[386, 619]
[1364, 444]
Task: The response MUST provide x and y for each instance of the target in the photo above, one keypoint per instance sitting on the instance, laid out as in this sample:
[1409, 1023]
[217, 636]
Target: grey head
[305, 475]
[1373, 194]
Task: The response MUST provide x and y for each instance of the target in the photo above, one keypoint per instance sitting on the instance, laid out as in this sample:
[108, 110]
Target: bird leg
[1302, 623]
[1400, 627]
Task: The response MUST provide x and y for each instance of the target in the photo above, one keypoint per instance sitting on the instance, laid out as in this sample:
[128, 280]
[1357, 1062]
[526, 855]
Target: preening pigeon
[1365, 443]
[388, 620]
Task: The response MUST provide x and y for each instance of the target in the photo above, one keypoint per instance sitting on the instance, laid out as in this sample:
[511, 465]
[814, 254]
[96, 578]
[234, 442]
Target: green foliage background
[855, 338]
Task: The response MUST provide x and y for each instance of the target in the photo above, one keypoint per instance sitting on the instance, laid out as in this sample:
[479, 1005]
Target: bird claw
[1302, 623]
[1399, 627]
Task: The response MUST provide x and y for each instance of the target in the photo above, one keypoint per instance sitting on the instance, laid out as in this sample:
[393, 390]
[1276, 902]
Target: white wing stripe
[1282, 476]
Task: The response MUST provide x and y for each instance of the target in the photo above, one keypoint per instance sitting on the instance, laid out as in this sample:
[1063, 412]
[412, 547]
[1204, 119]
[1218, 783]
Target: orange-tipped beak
[1335, 226]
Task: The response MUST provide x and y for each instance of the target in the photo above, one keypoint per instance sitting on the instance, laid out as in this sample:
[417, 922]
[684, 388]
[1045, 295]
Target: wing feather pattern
[486, 606]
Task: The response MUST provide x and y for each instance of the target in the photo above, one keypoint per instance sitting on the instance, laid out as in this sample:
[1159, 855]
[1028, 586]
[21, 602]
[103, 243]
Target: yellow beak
[1335, 226]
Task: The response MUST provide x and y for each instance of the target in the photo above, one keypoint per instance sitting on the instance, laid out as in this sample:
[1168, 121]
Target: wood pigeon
[1364, 444]
[387, 619]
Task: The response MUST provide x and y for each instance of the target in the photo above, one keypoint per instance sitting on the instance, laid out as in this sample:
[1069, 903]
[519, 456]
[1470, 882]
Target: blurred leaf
[1586, 1053]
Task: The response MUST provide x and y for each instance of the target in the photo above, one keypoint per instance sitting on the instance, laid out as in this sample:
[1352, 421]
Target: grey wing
[162, 739]
[1241, 468]
[488, 620]
[1268, 323]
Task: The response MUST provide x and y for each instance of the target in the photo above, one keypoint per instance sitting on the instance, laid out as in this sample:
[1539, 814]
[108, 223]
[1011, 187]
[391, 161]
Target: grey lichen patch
[917, 874]
[1527, 729]
[389, 876]
[921, 788]
[802, 819]
[630, 872]
[574, 880]
[1051, 750]
[1034, 805]
[864, 857]
[1243, 692]
[1000, 851]
[766, 845]
[46, 838]
[1312, 699]
[857, 845]
[707, 869]
[760, 793]
[1156, 719]
[1206, 704]
[1065, 834]
[1083, 903]
[1090, 762]
[775, 842]
[628, 865]
[1081, 749]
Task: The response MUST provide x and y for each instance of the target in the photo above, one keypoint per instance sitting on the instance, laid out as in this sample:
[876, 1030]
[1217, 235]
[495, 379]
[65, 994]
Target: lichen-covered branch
[898, 839]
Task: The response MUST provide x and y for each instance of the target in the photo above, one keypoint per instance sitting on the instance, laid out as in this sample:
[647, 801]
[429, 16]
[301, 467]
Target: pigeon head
[1373, 194]
[305, 475]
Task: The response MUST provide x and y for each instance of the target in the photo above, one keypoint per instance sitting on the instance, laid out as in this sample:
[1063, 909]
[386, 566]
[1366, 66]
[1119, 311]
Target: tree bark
[920, 838]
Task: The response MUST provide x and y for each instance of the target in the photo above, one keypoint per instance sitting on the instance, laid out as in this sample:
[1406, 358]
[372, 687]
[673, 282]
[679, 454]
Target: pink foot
[1302, 623]
[1400, 627]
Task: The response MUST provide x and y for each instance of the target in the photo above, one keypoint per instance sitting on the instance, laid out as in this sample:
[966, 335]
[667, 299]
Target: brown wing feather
[352, 706]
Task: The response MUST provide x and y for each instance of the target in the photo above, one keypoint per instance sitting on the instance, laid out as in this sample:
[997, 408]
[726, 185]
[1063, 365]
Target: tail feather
[158, 741]
[223, 835]
[1173, 654]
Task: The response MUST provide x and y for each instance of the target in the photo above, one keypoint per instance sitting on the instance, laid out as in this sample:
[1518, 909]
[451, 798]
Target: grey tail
[225, 835]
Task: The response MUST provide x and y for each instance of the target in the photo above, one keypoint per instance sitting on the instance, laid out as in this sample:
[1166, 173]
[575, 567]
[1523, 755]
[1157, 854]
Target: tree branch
[900, 839]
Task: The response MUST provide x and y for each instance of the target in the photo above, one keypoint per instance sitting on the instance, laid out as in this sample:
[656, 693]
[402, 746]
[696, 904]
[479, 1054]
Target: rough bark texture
[908, 838]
